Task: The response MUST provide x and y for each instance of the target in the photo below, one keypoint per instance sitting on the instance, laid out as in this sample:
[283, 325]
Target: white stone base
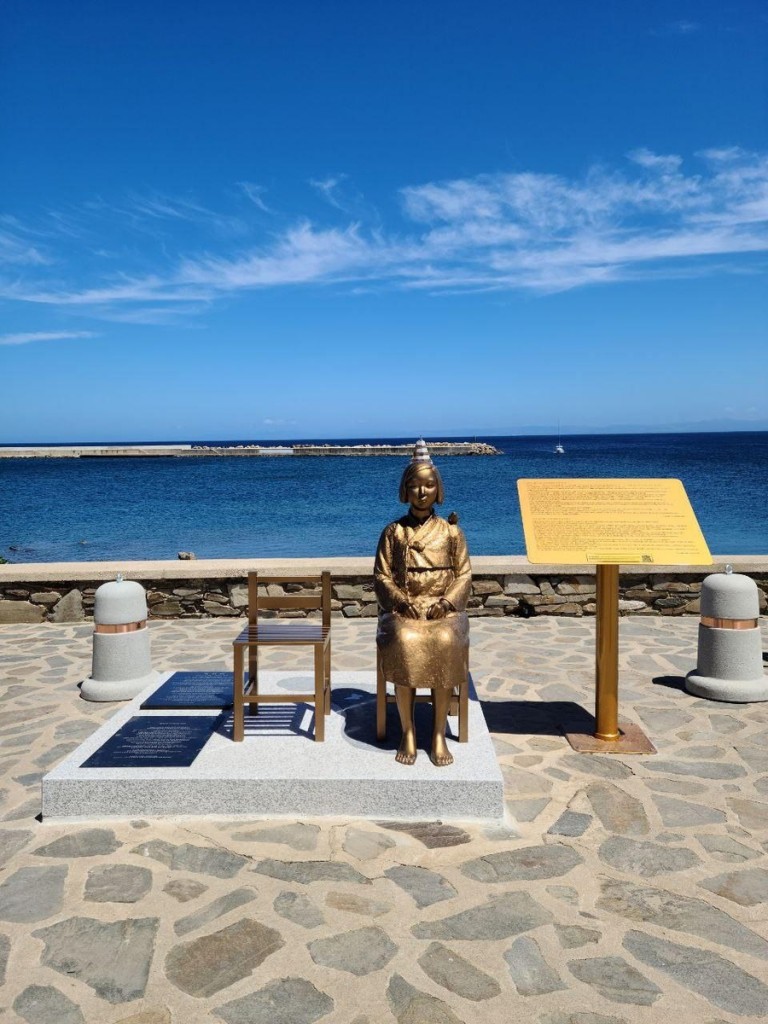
[734, 691]
[115, 690]
[279, 770]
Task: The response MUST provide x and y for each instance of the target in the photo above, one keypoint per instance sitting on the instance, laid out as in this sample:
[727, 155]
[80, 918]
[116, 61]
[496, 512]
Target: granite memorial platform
[181, 761]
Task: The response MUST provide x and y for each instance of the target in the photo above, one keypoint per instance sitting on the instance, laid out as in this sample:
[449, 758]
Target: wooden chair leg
[464, 711]
[253, 677]
[327, 678]
[319, 693]
[238, 713]
[381, 700]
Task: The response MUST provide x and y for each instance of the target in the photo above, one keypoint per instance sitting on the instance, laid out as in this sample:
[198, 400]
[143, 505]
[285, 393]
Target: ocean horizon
[383, 439]
[152, 508]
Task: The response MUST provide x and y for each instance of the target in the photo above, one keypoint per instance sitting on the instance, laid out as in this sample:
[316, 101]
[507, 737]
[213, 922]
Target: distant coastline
[253, 450]
[524, 433]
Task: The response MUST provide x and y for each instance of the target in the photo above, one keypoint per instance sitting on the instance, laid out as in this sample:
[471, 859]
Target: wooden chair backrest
[258, 601]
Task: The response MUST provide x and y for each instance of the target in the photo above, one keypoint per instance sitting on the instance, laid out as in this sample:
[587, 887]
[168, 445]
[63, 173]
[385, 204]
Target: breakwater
[439, 448]
[216, 588]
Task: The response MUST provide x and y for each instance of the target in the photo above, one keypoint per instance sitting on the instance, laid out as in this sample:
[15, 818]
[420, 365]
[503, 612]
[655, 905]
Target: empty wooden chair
[279, 632]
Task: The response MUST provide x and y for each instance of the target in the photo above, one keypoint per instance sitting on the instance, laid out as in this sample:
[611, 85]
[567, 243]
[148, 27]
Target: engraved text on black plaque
[154, 741]
[192, 690]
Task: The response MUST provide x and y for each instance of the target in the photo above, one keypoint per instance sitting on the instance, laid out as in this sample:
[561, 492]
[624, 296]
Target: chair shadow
[671, 682]
[536, 718]
[272, 720]
[357, 706]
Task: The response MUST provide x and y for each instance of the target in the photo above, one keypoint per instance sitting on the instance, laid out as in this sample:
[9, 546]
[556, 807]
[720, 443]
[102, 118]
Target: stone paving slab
[634, 891]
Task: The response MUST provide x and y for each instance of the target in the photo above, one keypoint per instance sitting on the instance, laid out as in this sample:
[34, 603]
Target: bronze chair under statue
[423, 579]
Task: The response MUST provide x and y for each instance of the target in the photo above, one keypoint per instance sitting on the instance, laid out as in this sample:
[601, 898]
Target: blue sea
[146, 508]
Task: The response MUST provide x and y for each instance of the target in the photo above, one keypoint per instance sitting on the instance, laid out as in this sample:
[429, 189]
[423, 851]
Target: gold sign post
[607, 654]
[606, 523]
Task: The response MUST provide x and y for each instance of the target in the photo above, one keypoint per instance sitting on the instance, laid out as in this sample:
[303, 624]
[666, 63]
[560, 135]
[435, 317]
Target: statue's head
[420, 484]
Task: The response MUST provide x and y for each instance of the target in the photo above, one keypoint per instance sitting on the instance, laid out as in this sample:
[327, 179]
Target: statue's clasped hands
[438, 610]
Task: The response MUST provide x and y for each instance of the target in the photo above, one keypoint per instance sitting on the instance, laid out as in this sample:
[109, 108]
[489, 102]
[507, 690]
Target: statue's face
[422, 490]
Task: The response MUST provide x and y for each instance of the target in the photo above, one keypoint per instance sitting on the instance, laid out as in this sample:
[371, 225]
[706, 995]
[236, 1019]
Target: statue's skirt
[424, 653]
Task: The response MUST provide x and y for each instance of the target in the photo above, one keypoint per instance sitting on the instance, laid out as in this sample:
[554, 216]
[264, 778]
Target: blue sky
[309, 219]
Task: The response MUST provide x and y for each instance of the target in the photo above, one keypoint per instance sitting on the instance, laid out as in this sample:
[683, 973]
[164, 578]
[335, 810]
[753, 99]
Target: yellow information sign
[610, 522]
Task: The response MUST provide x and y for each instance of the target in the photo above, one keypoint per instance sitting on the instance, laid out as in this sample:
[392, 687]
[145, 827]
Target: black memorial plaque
[192, 690]
[154, 741]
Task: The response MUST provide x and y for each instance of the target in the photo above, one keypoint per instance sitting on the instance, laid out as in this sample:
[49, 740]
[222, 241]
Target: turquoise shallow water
[92, 509]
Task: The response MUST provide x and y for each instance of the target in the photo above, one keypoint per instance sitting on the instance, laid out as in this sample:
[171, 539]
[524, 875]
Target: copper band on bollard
[708, 620]
[123, 627]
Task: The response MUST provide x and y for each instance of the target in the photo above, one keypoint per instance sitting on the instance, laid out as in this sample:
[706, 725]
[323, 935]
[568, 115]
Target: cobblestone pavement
[635, 889]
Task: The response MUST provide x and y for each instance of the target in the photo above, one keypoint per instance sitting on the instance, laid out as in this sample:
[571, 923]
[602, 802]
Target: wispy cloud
[656, 161]
[329, 189]
[157, 214]
[681, 27]
[655, 216]
[339, 192]
[169, 208]
[17, 247]
[98, 225]
[152, 315]
[27, 337]
[254, 193]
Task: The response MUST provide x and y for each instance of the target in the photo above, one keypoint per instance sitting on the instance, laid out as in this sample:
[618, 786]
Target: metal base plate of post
[632, 740]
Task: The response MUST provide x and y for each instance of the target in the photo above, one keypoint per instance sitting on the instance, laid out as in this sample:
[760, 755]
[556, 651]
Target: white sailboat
[558, 450]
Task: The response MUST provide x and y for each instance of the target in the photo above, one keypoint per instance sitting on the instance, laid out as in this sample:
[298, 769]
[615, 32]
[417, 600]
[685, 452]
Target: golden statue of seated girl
[422, 579]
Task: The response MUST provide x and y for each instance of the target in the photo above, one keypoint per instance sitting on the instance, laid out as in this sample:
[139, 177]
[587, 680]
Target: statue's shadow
[359, 710]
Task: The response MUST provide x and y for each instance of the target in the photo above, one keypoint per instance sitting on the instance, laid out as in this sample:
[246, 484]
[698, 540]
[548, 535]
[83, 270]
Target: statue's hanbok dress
[419, 563]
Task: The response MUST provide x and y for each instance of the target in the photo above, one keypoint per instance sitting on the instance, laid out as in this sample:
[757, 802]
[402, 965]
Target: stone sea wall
[501, 586]
[202, 450]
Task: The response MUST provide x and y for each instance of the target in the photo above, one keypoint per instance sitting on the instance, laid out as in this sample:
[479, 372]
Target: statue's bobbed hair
[410, 471]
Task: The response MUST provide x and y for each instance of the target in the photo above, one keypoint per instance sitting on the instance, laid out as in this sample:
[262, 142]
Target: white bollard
[122, 662]
[730, 658]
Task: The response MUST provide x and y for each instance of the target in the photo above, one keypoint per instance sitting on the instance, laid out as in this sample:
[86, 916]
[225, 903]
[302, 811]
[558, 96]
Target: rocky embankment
[437, 448]
[31, 594]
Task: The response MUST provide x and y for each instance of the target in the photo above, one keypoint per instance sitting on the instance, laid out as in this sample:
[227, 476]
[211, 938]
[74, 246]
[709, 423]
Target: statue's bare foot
[406, 753]
[440, 754]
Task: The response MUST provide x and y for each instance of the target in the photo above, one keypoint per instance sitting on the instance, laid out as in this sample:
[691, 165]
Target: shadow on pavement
[536, 718]
[671, 682]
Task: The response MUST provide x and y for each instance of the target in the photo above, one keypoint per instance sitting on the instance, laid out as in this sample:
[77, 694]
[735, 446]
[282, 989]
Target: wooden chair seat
[288, 633]
[259, 633]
